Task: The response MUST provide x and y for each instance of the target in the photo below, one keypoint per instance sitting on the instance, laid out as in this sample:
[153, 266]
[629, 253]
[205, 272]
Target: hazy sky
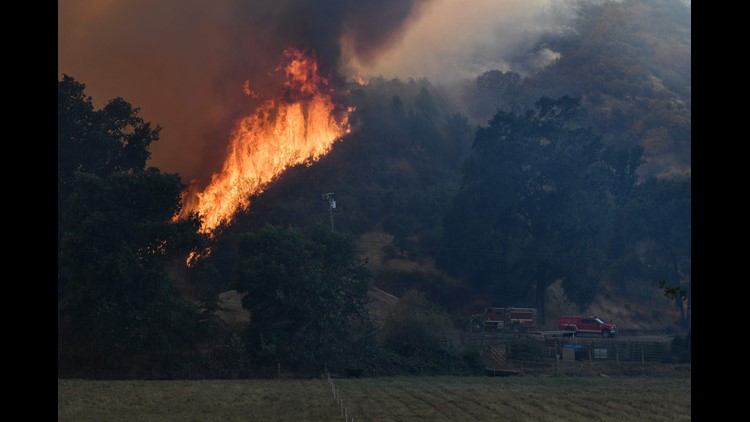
[183, 62]
[454, 39]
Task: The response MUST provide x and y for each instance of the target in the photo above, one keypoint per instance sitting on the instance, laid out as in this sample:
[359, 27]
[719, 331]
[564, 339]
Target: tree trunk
[689, 302]
[679, 299]
[680, 302]
[541, 288]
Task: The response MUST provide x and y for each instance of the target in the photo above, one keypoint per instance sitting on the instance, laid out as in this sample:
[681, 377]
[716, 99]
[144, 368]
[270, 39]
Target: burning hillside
[297, 127]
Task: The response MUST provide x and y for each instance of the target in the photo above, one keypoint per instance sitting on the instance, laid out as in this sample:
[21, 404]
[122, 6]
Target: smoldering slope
[184, 62]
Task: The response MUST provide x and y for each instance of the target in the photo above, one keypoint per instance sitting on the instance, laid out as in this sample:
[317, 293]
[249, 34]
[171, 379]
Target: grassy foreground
[380, 399]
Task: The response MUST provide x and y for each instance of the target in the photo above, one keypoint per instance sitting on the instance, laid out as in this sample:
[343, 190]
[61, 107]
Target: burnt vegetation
[578, 172]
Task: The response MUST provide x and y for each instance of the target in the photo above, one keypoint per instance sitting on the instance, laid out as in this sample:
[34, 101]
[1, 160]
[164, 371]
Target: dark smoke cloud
[370, 25]
[184, 62]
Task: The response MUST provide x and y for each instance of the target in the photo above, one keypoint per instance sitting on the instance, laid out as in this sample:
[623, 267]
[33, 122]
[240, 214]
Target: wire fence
[343, 411]
[629, 351]
[529, 353]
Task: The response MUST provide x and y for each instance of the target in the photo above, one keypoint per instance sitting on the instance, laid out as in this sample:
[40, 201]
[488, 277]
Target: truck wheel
[606, 333]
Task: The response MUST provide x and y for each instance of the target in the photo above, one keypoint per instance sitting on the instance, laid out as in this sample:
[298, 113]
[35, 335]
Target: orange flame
[359, 80]
[298, 128]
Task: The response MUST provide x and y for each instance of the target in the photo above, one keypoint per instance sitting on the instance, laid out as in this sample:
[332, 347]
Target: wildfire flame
[298, 128]
[359, 80]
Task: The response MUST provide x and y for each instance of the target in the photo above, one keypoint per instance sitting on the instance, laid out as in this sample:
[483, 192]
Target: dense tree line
[540, 199]
[117, 307]
[533, 208]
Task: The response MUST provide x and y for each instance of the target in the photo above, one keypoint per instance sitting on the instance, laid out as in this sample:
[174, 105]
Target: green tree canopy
[416, 329]
[306, 296]
[118, 306]
[534, 207]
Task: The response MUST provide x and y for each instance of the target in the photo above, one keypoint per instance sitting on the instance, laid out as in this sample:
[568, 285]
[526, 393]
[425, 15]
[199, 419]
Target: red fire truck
[502, 319]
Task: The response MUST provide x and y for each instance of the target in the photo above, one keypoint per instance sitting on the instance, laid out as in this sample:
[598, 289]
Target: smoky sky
[319, 26]
[184, 62]
[452, 39]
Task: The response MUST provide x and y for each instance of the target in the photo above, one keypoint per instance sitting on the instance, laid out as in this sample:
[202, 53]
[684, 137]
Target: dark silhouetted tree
[533, 208]
[660, 222]
[306, 296]
[415, 331]
[118, 308]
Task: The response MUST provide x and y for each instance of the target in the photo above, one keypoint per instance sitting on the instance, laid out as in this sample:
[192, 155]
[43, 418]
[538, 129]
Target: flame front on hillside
[299, 127]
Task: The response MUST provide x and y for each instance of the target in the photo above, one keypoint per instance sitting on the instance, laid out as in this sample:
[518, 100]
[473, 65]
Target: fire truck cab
[587, 324]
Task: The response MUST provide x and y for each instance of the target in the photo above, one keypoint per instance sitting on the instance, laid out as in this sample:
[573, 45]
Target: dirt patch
[381, 305]
[231, 310]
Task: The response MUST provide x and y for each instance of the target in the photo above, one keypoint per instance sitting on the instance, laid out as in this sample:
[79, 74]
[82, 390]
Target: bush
[527, 350]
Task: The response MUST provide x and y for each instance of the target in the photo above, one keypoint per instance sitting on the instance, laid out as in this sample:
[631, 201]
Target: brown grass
[528, 398]
[382, 303]
[657, 315]
[231, 310]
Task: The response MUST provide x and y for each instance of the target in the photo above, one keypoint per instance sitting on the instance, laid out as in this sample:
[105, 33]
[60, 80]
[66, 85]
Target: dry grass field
[524, 398]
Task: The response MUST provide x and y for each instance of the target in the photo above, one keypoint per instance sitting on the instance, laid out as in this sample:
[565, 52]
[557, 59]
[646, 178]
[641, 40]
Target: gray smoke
[184, 62]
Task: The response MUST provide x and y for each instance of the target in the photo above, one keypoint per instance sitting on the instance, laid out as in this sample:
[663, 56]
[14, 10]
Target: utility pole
[331, 205]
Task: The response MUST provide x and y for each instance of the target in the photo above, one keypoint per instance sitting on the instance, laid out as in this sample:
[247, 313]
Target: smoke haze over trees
[569, 161]
[630, 64]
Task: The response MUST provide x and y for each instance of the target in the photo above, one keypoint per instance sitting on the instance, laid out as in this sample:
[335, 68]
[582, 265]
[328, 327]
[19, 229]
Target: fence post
[557, 362]
[643, 358]
[557, 357]
[617, 353]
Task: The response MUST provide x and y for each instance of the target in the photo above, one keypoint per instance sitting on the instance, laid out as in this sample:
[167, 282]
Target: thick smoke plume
[185, 62]
[195, 67]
